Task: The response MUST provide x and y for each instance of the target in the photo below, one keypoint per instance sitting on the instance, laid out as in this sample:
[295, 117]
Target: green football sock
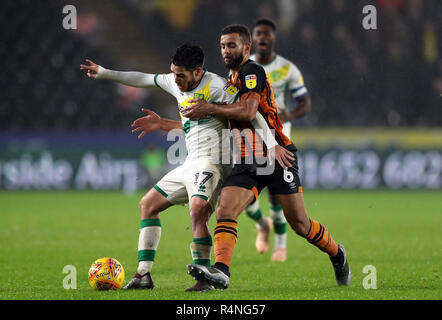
[201, 248]
[254, 212]
[280, 225]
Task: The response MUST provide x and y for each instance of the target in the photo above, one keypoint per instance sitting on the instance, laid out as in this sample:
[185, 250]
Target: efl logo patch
[251, 81]
[230, 89]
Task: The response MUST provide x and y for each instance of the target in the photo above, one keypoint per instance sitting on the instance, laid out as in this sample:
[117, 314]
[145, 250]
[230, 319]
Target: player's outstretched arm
[128, 78]
[153, 122]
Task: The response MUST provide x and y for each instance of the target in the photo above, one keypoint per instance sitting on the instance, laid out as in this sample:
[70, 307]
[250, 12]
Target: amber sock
[225, 237]
[319, 237]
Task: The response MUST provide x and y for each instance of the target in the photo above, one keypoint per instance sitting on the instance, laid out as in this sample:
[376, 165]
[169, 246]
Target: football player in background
[288, 84]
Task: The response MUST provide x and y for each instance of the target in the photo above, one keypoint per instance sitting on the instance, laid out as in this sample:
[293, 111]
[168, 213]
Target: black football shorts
[256, 177]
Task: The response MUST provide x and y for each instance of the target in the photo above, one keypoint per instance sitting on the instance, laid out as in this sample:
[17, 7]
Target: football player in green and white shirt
[199, 179]
[287, 83]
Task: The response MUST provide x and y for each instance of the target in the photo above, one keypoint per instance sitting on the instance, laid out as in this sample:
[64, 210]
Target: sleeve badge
[250, 81]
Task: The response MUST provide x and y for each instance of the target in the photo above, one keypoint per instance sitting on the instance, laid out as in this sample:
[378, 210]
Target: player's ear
[198, 72]
[248, 48]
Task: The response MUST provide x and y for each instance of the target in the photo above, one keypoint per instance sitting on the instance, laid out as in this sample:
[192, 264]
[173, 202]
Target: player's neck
[265, 58]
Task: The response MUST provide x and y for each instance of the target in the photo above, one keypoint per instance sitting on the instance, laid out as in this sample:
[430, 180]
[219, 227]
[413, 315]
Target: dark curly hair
[188, 56]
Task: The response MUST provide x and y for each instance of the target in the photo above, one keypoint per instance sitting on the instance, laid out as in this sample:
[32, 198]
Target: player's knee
[198, 220]
[147, 209]
[199, 211]
[225, 211]
[198, 216]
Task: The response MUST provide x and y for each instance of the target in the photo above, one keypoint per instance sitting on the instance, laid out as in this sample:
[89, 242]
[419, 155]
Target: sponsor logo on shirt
[230, 89]
[198, 96]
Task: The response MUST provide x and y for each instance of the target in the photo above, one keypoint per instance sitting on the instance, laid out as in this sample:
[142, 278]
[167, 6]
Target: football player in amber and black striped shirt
[288, 87]
[247, 179]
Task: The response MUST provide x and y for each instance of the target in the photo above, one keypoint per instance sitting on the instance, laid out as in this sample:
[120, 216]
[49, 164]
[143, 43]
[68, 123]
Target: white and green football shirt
[204, 137]
[285, 78]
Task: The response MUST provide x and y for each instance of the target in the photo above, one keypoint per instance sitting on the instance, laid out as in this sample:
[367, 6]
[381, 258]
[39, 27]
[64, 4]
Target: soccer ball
[106, 274]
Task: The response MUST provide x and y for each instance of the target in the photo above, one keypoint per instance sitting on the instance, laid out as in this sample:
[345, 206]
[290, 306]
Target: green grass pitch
[397, 232]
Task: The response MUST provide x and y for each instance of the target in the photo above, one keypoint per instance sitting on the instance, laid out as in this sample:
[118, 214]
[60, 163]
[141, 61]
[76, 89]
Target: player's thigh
[239, 190]
[295, 212]
[152, 203]
[284, 180]
[204, 181]
[173, 185]
[233, 200]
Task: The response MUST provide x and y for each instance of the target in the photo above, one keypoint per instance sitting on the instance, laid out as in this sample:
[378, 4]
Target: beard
[235, 62]
[192, 84]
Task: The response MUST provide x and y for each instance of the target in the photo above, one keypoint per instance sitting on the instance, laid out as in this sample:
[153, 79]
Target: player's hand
[91, 69]
[281, 155]
[146, 124]
[198, 109]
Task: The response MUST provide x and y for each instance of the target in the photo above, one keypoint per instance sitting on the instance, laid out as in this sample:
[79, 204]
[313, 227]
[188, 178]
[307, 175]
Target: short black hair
[189, 56]
[266, 22]
[241, 29]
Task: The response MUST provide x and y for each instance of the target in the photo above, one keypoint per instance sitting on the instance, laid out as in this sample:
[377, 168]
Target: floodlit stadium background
[376, 94]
